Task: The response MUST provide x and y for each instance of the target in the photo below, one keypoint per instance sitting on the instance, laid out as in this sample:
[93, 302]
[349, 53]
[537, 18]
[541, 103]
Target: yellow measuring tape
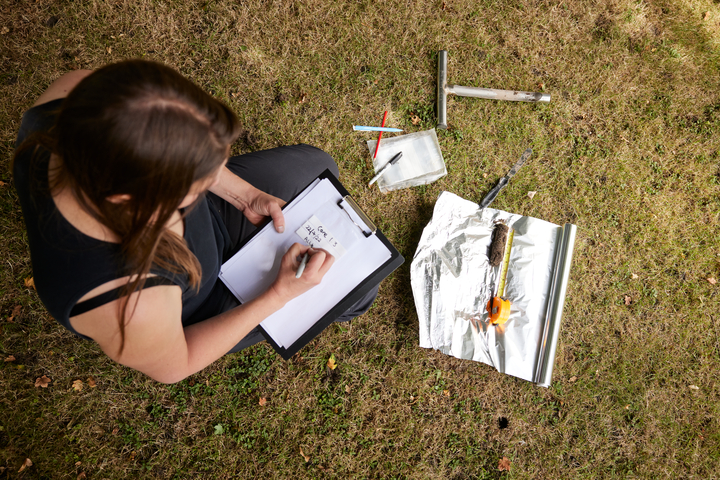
[505, 264]
[498, 307]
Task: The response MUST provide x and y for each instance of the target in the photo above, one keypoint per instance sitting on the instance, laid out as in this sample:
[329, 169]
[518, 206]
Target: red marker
[380, 136]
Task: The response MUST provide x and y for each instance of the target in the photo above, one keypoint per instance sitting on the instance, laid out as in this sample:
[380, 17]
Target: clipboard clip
[361, 215]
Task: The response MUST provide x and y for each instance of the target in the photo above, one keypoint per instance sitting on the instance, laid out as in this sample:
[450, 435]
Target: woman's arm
[254, 203]
[62, 86]
[157, 344]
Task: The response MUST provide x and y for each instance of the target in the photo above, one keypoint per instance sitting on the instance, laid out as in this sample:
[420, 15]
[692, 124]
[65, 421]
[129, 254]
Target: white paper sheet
[253, 269]
[316, 234]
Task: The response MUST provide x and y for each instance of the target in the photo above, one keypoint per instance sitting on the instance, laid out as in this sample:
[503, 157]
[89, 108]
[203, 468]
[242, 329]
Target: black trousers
[282, 172]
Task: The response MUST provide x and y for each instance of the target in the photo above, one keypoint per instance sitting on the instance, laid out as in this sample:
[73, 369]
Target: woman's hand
[287, 286]
[255, 204]
[263, 205]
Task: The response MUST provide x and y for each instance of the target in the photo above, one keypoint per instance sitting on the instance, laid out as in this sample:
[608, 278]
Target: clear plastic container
[422, 161]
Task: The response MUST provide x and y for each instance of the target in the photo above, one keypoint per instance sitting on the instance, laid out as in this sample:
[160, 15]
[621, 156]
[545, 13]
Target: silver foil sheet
[452, 282]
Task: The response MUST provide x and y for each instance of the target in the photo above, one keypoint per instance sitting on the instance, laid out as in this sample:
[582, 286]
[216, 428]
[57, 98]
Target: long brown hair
[140, 129]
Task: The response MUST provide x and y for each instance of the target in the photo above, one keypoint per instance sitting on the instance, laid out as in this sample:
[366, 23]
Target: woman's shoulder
[31, 158]
[39, 118]
[61, 87]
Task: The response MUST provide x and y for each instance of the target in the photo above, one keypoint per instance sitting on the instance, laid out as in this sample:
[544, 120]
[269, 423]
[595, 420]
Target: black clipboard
[355, 294]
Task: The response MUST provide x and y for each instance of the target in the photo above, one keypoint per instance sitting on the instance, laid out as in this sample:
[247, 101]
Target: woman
[113, 169]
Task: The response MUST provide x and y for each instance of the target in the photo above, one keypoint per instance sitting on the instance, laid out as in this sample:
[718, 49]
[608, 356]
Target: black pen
[392, 161]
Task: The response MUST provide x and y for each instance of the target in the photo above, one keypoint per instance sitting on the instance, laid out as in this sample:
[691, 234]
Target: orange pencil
[380, 136]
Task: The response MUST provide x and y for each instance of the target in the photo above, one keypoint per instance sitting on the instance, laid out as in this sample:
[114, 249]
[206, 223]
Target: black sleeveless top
[67, 263]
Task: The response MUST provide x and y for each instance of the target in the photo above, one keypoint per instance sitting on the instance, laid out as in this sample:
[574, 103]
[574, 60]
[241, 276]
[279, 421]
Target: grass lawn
[628, 150]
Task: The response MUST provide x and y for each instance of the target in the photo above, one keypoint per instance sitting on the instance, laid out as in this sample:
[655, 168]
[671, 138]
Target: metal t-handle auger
[443, 89]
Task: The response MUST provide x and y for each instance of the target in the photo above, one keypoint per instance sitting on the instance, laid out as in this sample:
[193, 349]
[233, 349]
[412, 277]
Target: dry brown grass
[628, 150]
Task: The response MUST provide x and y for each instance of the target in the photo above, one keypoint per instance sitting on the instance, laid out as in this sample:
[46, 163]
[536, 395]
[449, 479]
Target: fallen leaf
[4, 30]
[573, 379]
[109, 49]
[331, 362]
[531, 195]
[115, 431]
[634, 276]
[347, 388]
[711, 280]
[262, 401]
[27, 463]
[219, 429]
[307, 459]
[504, 464]
[77, 464]
[707, 15]
[43, 381]
[16, 312]
[694, 387]
[10, 358]
[628, 300]
[446, 393]
[132, 455]
[484, 175]
[541, 86]
[81, 476]
[2, 184]
[91, 382]
[77, 385]
[415, 120]
[30, 282]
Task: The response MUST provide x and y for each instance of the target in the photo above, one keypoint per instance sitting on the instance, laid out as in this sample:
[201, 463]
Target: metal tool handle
[494, 192]
[441, 95]
[495, 94]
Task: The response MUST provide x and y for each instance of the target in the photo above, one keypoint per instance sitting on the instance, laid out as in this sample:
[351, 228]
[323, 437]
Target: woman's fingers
[319, 262]
[288, 283]
[278, 218]
[296, 252]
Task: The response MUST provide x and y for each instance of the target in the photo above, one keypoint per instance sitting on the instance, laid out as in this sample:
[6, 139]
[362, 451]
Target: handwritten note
[315, 234]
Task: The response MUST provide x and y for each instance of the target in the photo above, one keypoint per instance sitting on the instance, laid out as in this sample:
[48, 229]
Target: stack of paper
[307, 218]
